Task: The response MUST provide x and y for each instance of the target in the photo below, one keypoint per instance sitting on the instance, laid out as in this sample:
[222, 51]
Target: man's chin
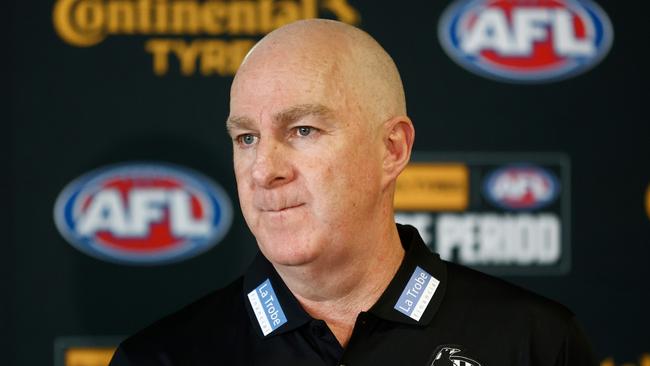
[290, 262]
[286, 253]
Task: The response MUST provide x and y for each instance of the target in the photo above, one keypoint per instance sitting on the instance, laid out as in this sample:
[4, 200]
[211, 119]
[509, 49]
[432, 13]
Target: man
[320, 134]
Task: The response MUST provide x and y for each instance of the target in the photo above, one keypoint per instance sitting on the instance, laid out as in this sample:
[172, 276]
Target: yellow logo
[432, 187]
[85, 23]
[647, 202]
[88, 356]
[644, 360]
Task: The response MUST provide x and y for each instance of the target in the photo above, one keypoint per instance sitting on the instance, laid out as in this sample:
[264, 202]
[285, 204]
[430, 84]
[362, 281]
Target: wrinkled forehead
[274, 81]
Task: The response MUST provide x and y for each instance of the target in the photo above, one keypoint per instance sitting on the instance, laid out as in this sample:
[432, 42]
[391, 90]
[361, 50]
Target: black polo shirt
[432, 313]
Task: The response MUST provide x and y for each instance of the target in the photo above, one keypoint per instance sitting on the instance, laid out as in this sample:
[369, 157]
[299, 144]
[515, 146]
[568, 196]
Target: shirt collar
[416, 255]
[258, 272]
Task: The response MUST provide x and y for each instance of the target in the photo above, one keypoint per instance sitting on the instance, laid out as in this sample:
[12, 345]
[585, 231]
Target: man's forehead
[281, 74]
[283, 79]
[283, 94]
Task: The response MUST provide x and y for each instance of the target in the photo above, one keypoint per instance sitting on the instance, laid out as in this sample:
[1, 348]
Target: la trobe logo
[526, 41]
[143, 213]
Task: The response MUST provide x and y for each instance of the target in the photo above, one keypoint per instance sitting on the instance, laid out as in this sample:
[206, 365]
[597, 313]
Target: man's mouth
[282, 209]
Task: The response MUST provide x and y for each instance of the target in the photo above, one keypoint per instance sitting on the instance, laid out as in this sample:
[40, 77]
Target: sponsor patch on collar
[266, 307]
[417, 294]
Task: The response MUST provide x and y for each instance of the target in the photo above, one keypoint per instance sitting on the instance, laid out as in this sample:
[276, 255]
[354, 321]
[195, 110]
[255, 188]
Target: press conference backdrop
[531, 160]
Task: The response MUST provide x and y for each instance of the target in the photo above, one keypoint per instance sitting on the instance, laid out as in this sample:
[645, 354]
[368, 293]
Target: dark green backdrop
[74, 109]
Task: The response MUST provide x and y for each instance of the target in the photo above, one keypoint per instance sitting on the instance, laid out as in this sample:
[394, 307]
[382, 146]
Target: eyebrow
[285, 117]
[300, 111]
[234, 122]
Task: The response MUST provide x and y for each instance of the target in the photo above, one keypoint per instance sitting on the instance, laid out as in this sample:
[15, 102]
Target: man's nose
[272, 167]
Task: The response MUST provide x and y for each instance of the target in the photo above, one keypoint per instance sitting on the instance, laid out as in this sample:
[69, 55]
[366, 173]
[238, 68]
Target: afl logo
[521, 187]
[143, 214]
[529, 41]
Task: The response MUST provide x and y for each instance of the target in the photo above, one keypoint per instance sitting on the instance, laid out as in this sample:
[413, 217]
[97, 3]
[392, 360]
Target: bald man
[320, 133]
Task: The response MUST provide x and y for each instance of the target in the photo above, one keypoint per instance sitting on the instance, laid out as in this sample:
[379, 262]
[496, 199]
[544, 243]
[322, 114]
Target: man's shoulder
[513, 318]
[216, 316]
[486, 295]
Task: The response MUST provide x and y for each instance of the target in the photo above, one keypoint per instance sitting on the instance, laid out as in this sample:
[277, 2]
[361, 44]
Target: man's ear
[399, 135]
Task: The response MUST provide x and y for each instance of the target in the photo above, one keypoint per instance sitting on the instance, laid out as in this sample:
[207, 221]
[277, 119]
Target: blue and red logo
[526, 41]
[521, 187]
[143, 213]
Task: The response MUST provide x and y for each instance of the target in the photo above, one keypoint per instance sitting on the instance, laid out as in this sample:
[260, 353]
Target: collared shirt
[433, 313]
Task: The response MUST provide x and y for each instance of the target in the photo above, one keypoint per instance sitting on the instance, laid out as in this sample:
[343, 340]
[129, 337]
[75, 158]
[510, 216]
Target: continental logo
[432, 187]
[230, 27]
[100, 356]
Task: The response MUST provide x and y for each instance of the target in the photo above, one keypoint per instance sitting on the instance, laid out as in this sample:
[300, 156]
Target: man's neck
[338, 292]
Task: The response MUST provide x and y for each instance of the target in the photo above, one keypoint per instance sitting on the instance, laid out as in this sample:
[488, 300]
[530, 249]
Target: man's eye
[247, 139]
[304, 130]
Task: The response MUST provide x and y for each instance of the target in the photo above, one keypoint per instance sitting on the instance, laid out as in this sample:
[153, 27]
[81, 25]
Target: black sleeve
[575, 350]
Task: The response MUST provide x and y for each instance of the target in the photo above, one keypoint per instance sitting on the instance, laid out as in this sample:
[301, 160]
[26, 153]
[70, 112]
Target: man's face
[308, 165]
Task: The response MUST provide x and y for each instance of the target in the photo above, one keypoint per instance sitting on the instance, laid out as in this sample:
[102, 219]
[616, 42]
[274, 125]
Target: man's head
[320, 133]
